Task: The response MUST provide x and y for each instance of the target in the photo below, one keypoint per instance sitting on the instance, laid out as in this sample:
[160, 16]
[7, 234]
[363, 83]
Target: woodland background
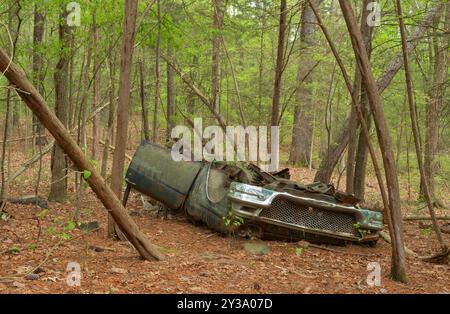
[232, 63]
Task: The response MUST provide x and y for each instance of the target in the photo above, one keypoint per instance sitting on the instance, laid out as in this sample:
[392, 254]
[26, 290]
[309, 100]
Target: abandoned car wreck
[247, 201]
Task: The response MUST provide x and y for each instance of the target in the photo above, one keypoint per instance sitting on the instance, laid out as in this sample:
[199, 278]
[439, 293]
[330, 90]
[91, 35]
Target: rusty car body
[268, 206]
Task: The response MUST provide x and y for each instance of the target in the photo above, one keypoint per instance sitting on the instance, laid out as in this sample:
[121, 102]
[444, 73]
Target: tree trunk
[111, 115]
[302, 131]
[110, 131]
[38, 72]
[361, 158]
[58, 188]
[97, 90]
[261, 69]
[14, 24]
[358, 91]
[279, 65]
[41, 109]
[157, 75]
[398, 269]
[351, 151]
[11, 118]
[144, 107]
[6, 128]
[216, 54]
[361, 154]
[124, 97]
[436, 96]
[170, 95]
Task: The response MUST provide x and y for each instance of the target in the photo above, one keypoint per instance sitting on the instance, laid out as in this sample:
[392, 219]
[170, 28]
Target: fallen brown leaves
[198, 261]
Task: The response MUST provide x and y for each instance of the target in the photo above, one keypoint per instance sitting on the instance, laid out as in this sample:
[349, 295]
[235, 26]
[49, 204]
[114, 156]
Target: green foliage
[362, 232]
[233, 221]
[427, 231]
[43, 213]
[51, 230]
[4, 216]
[70, 225]
[32, 246]
[14, 250]
[86, 174]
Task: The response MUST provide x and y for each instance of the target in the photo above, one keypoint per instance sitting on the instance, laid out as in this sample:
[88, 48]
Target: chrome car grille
[288, 212]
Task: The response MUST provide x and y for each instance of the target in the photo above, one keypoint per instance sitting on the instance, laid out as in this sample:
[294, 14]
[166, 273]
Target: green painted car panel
[154, 173]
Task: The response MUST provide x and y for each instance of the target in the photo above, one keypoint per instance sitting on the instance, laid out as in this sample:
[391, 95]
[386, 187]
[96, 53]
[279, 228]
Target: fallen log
[31, 161]
[22, 138]
[110, 147]
[40, 108]
[29, 199]
[414, 218]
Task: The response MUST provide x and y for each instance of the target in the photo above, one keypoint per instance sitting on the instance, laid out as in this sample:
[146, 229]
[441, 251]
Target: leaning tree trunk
[58, 188]
[302, 131]
[40, 108]
[329, 162]
[398, 269]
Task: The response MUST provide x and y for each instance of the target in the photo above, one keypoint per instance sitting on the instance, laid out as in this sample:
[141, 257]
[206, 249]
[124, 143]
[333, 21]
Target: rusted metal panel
[153, 172]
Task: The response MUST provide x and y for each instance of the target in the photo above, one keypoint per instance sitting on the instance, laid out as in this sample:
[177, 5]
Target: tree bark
[359, 91]
[144, 107]
[302, 131]
[216, 54]
[261, 69]
[124, 97]
[110, 130]
[58, 188]
[14, 25]
[41, 109]
[398, 269]
[170, 95]
[357, 182]
[157, 75]
[361, 158]
[38, 66]
[436, 96]
[97, 90]
[279, 65]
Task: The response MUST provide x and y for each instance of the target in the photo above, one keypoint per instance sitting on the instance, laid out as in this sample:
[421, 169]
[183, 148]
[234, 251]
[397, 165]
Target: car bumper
[304, 214]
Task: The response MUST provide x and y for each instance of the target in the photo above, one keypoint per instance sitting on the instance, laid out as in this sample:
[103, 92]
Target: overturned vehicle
[242, 199]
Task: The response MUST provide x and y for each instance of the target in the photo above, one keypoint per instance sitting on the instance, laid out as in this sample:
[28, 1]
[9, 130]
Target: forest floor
[198, 260]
